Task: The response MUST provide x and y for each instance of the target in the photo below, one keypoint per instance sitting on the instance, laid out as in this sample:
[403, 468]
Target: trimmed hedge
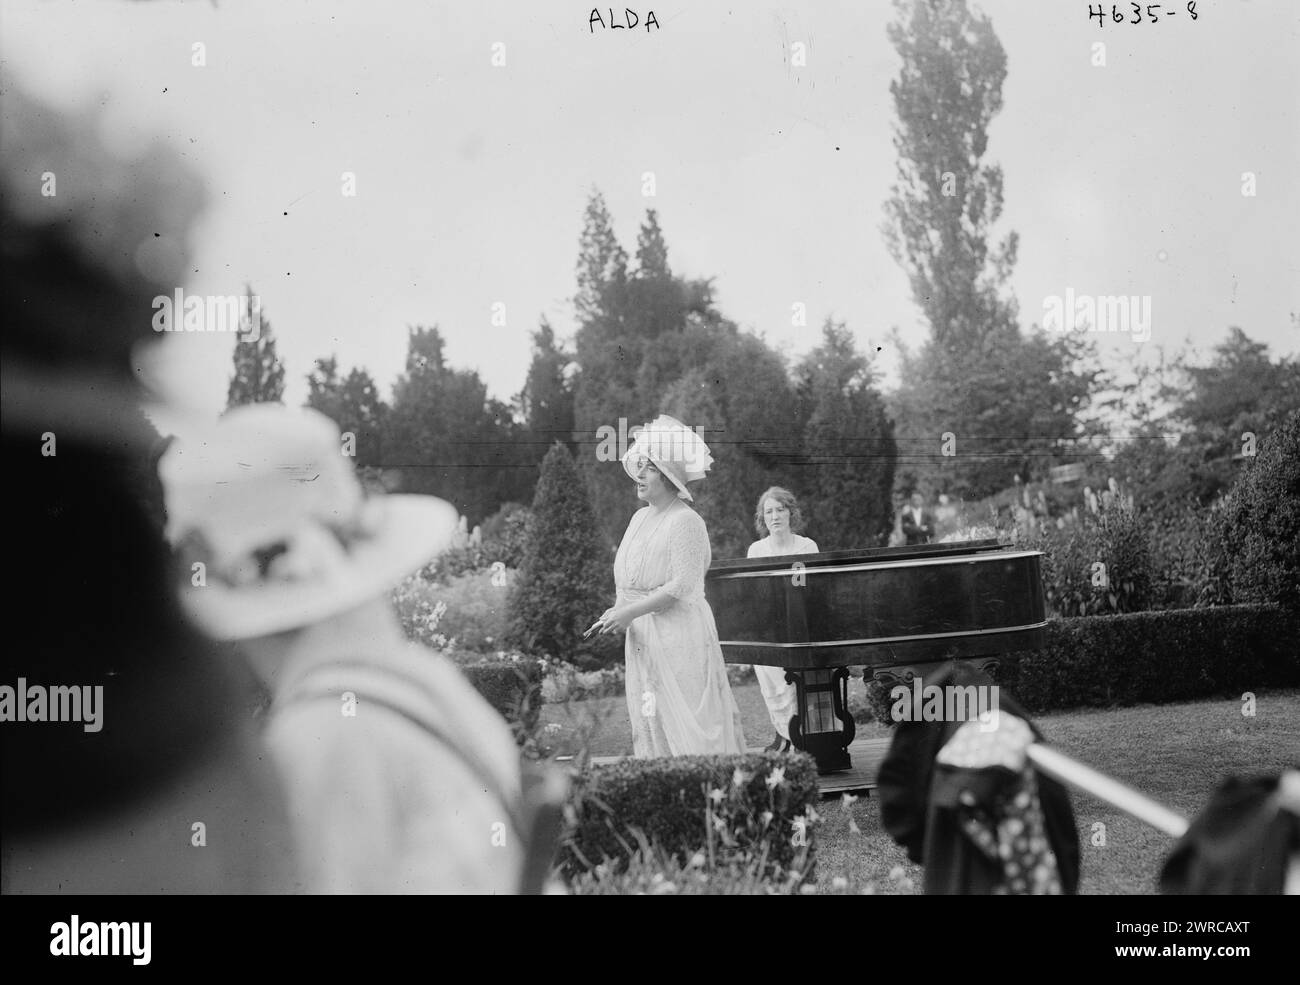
[1157, 657]
[513, 688]
[1147, 658]
[665, 800]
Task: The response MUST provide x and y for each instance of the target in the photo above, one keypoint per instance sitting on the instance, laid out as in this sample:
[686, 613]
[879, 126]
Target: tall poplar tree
[978, 402]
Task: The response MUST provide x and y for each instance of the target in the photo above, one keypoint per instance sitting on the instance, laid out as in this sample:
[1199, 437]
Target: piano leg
[822, 725]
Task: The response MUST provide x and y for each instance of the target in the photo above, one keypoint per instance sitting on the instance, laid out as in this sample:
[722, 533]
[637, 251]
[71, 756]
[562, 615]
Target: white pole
[1085, 778]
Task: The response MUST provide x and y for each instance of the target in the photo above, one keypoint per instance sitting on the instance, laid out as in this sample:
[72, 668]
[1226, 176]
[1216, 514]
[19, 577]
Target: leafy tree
[1241, 389]
[1017, 406]
[849, 445]
[1189, 450]
[259, 375]
[353, 403]
[566, 579]
[448, 437]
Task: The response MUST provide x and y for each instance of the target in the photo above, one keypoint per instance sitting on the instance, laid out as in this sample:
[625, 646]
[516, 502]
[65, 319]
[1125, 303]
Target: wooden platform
[866, 754]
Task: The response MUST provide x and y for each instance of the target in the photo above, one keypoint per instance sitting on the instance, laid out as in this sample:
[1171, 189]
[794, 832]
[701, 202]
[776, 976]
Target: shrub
[1256, 533]
[565, 682]
[1115, 536]
[505, 534]
[456, 562]
[502, 543]
[1145, 657]
[513, 688]
[734, 808]
[468, 612]
[1157, 657]
[512, 685]
[477, 611]
[566, 579]
[420, 614]
[1181, 555]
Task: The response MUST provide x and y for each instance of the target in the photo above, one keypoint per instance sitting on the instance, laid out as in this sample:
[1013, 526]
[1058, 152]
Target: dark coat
[1239, 845]
[917, 807]
[916, 533]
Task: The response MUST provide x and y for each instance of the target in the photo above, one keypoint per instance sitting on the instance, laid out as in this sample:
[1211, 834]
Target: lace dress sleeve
[688, 556]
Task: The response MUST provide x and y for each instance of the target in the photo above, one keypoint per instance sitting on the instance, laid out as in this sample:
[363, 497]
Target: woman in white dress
[678, 696]
[779, 516]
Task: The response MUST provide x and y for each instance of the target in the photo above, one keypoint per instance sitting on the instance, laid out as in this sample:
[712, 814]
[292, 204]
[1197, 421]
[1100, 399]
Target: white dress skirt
[781, 698]
[678, 696]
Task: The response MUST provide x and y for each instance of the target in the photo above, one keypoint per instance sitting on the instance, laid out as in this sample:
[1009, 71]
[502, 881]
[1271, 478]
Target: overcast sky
[471, 178]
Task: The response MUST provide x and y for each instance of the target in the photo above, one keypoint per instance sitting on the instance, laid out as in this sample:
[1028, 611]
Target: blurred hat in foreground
[270, 507]
[90, 237]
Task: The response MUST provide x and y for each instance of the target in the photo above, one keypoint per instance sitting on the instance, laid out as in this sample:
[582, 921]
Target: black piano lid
[859, 556]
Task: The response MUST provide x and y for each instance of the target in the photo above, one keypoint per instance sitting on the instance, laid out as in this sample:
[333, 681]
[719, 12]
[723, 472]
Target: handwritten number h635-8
[1152, 12]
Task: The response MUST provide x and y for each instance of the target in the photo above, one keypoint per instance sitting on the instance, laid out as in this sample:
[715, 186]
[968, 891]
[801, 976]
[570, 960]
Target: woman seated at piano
[779, 517]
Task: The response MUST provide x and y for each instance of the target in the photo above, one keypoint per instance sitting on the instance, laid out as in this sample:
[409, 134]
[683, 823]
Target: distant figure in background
[401, 778]
[150, 780]
[778, 515]
[918, 522]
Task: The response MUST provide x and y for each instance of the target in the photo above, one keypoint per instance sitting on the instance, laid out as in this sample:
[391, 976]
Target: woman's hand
[617, 619]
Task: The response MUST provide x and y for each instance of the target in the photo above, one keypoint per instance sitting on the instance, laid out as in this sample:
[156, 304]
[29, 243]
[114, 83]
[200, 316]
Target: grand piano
[896, 611]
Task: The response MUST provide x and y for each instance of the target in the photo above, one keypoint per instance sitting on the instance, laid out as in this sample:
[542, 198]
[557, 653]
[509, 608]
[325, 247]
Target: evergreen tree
[651, 251]
[546, 401]
[738, 390]
[353, 403]
[449, 438]
[638, 334]
[848, 446]
[609, 357]
[259, 375]
[602, 267]
[566, 579]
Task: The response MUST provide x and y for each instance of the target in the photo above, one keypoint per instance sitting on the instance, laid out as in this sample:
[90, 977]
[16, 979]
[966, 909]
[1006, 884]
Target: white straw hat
[269, 505]
[677, 451]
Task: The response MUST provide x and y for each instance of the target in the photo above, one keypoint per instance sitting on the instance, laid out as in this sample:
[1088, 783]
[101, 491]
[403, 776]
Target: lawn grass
[601, 726]
[1175, 754]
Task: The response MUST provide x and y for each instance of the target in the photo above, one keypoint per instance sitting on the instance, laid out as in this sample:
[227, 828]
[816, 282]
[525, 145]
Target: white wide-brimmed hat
[268, 504]
[677, 451]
